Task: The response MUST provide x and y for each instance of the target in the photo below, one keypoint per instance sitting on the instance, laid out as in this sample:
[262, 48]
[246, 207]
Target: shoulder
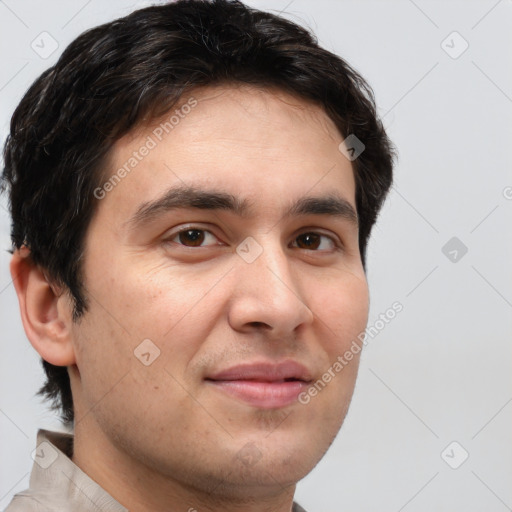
[24, 503]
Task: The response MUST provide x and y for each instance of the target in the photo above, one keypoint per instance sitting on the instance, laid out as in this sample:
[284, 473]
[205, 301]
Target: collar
[56, 480]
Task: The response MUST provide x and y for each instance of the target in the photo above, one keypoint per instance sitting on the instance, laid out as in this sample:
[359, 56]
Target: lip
[265, 385]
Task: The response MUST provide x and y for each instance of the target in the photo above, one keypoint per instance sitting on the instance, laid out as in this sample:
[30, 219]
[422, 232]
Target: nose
[268, 294]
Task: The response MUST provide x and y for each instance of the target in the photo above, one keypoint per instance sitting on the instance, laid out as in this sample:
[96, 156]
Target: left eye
[312, 241]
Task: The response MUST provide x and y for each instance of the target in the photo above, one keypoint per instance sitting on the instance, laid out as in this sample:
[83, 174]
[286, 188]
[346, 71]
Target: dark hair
[115, 76]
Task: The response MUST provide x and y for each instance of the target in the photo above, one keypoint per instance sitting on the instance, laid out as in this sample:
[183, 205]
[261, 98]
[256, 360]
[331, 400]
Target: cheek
[115, 382]
[173, 308]
[151, 301]
[102, 351]
[341, 305]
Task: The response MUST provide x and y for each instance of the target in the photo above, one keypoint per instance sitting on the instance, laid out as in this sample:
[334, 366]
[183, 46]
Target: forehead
[263, 145]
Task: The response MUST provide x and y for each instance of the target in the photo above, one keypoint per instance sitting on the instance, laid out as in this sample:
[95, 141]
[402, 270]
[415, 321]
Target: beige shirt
[57, 484]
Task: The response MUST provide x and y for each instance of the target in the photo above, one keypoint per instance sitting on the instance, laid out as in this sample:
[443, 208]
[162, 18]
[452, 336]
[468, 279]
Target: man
[192, 190]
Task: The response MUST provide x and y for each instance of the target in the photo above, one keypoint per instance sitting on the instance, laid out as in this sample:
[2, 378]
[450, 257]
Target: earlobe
[45, 310]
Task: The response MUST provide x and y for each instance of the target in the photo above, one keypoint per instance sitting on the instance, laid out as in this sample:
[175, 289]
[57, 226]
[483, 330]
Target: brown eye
[309, 241]
[312, 241]
[191, 237]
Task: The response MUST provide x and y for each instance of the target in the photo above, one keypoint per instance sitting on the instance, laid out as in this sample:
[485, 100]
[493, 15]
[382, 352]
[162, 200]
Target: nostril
[258, 324]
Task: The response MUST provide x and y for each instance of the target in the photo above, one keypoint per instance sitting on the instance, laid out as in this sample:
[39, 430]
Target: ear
[46, 312]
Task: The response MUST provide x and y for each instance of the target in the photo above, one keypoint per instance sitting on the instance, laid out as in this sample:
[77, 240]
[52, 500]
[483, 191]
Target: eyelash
[169, 240]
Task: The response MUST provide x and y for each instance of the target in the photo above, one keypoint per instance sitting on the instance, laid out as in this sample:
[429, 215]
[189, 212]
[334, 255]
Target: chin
[278, 458]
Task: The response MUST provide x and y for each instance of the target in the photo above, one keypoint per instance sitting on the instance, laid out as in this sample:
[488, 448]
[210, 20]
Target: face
[244, 301]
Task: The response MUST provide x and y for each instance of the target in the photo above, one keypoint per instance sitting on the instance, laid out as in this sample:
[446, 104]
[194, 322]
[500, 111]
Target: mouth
[263, 385]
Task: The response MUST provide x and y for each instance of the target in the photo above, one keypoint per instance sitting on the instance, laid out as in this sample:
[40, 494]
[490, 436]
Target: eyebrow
[187, 197]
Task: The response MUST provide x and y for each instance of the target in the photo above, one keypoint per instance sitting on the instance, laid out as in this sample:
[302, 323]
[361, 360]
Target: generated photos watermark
[356, 347]
[151, 142]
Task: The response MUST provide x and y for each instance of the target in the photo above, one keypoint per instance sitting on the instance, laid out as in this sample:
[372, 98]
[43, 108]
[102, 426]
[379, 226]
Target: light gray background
[441, 370]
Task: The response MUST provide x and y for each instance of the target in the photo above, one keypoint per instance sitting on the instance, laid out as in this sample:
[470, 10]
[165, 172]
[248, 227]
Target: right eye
[191, 237]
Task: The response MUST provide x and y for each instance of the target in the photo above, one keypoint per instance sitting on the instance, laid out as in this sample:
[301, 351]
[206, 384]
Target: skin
[160, 437]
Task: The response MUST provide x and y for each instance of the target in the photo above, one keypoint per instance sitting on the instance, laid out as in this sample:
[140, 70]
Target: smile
[264, 385]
